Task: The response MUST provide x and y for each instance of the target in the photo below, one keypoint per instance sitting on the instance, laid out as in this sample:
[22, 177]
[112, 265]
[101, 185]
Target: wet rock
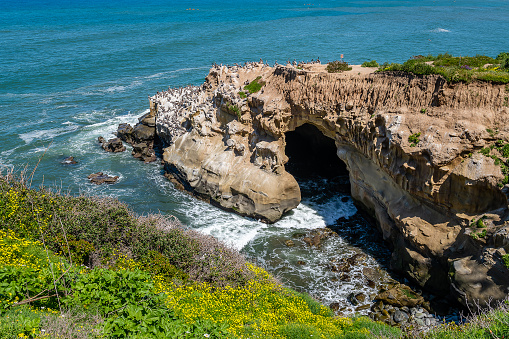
[377, 306]
[101, 178]
[125, 132]
[69, 161]
[361, 297]
[371, 283]
[300, 262]
[400, 295]
[344, 277]
[362, 308]
[352, 299]
[400, 316]
[371, 274]
[114, 145]
[289, 243]
[356, 258]
[144, 151]
[316, 236]
[334, 306]
[342, 266]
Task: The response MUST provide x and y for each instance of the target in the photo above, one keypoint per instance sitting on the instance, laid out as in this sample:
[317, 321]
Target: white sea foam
[440, 30]
[47, 133]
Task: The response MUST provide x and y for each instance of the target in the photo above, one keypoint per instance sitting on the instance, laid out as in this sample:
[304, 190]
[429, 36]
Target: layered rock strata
[411, 145]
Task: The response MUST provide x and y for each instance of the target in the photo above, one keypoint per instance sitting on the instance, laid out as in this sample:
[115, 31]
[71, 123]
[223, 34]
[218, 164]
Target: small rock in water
[300, 262]
[69, 161]
[352, 299]
[289, 243]
[101, 178]
[371, 283]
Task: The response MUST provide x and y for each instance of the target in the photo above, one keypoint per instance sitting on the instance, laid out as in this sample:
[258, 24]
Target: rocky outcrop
[114, 145]
[417, 150]
[142, 137]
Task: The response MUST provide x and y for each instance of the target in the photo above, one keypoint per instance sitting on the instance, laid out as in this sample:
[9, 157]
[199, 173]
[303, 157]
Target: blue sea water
[70, 71]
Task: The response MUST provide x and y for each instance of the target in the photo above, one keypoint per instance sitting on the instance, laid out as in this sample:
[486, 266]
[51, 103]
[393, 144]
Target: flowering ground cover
[89, 268]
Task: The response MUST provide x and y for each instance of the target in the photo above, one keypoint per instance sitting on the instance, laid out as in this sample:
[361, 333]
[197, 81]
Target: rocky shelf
[417, 150]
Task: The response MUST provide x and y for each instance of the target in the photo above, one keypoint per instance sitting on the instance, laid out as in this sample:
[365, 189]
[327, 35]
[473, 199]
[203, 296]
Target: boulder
[400, 295]
[114, 145]
[101, 178]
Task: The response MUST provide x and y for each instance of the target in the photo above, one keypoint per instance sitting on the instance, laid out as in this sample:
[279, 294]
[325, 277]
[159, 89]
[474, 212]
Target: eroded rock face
[411, 145]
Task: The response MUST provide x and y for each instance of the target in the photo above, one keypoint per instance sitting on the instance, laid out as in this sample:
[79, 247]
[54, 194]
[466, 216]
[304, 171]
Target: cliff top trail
[426, 157]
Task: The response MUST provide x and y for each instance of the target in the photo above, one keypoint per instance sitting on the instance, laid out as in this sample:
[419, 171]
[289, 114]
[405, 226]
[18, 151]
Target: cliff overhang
[410, 143]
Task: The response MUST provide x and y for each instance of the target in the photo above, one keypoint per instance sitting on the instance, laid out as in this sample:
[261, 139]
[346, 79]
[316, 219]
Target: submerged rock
[69, 161]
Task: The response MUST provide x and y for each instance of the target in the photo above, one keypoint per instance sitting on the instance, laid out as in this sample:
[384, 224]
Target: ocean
[71, 71]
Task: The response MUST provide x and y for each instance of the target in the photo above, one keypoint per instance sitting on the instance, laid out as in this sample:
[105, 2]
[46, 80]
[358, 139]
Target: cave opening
[312, 156]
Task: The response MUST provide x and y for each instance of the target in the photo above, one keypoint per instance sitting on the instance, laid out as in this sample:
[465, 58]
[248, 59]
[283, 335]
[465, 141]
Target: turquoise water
[70, 71]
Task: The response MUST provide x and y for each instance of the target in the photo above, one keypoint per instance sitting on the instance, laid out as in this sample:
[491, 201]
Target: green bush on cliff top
[456, 69]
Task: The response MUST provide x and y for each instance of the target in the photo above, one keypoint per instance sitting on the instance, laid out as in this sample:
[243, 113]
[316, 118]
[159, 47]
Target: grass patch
[242, 95]
[255, 85]
[456, 69]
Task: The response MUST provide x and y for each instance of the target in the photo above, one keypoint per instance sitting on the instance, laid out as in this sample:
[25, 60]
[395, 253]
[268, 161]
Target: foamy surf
[440, 30]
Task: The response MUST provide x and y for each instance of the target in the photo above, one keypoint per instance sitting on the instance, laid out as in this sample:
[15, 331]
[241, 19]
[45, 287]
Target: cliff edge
[424, 156]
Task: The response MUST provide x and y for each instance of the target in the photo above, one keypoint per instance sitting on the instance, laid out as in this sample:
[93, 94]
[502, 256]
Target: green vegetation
[235, 109]
[423, 110]
[145, 277]
[505, 259]
[500, 154]
[414, 139]
[337, 66]
[371, 63]
[456, 69]
[255, 85]
[242, 95]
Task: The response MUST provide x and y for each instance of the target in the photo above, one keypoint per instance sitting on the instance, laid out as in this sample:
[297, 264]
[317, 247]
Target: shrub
[455, 69]
[337, 66]
[413, 139]
[371, 63]
[102, 231]
[242, 95]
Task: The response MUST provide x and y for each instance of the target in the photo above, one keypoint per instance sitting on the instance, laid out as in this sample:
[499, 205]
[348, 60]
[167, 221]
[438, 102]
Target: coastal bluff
[414, 148]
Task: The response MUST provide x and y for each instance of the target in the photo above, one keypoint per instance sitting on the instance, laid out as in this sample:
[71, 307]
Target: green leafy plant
[505, 259]
[243, 95]
[413, 139]
[235, 109]
[423, 110]
[371, 63]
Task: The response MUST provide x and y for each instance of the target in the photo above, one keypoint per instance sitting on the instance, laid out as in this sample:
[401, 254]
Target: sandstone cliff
[411, 145]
